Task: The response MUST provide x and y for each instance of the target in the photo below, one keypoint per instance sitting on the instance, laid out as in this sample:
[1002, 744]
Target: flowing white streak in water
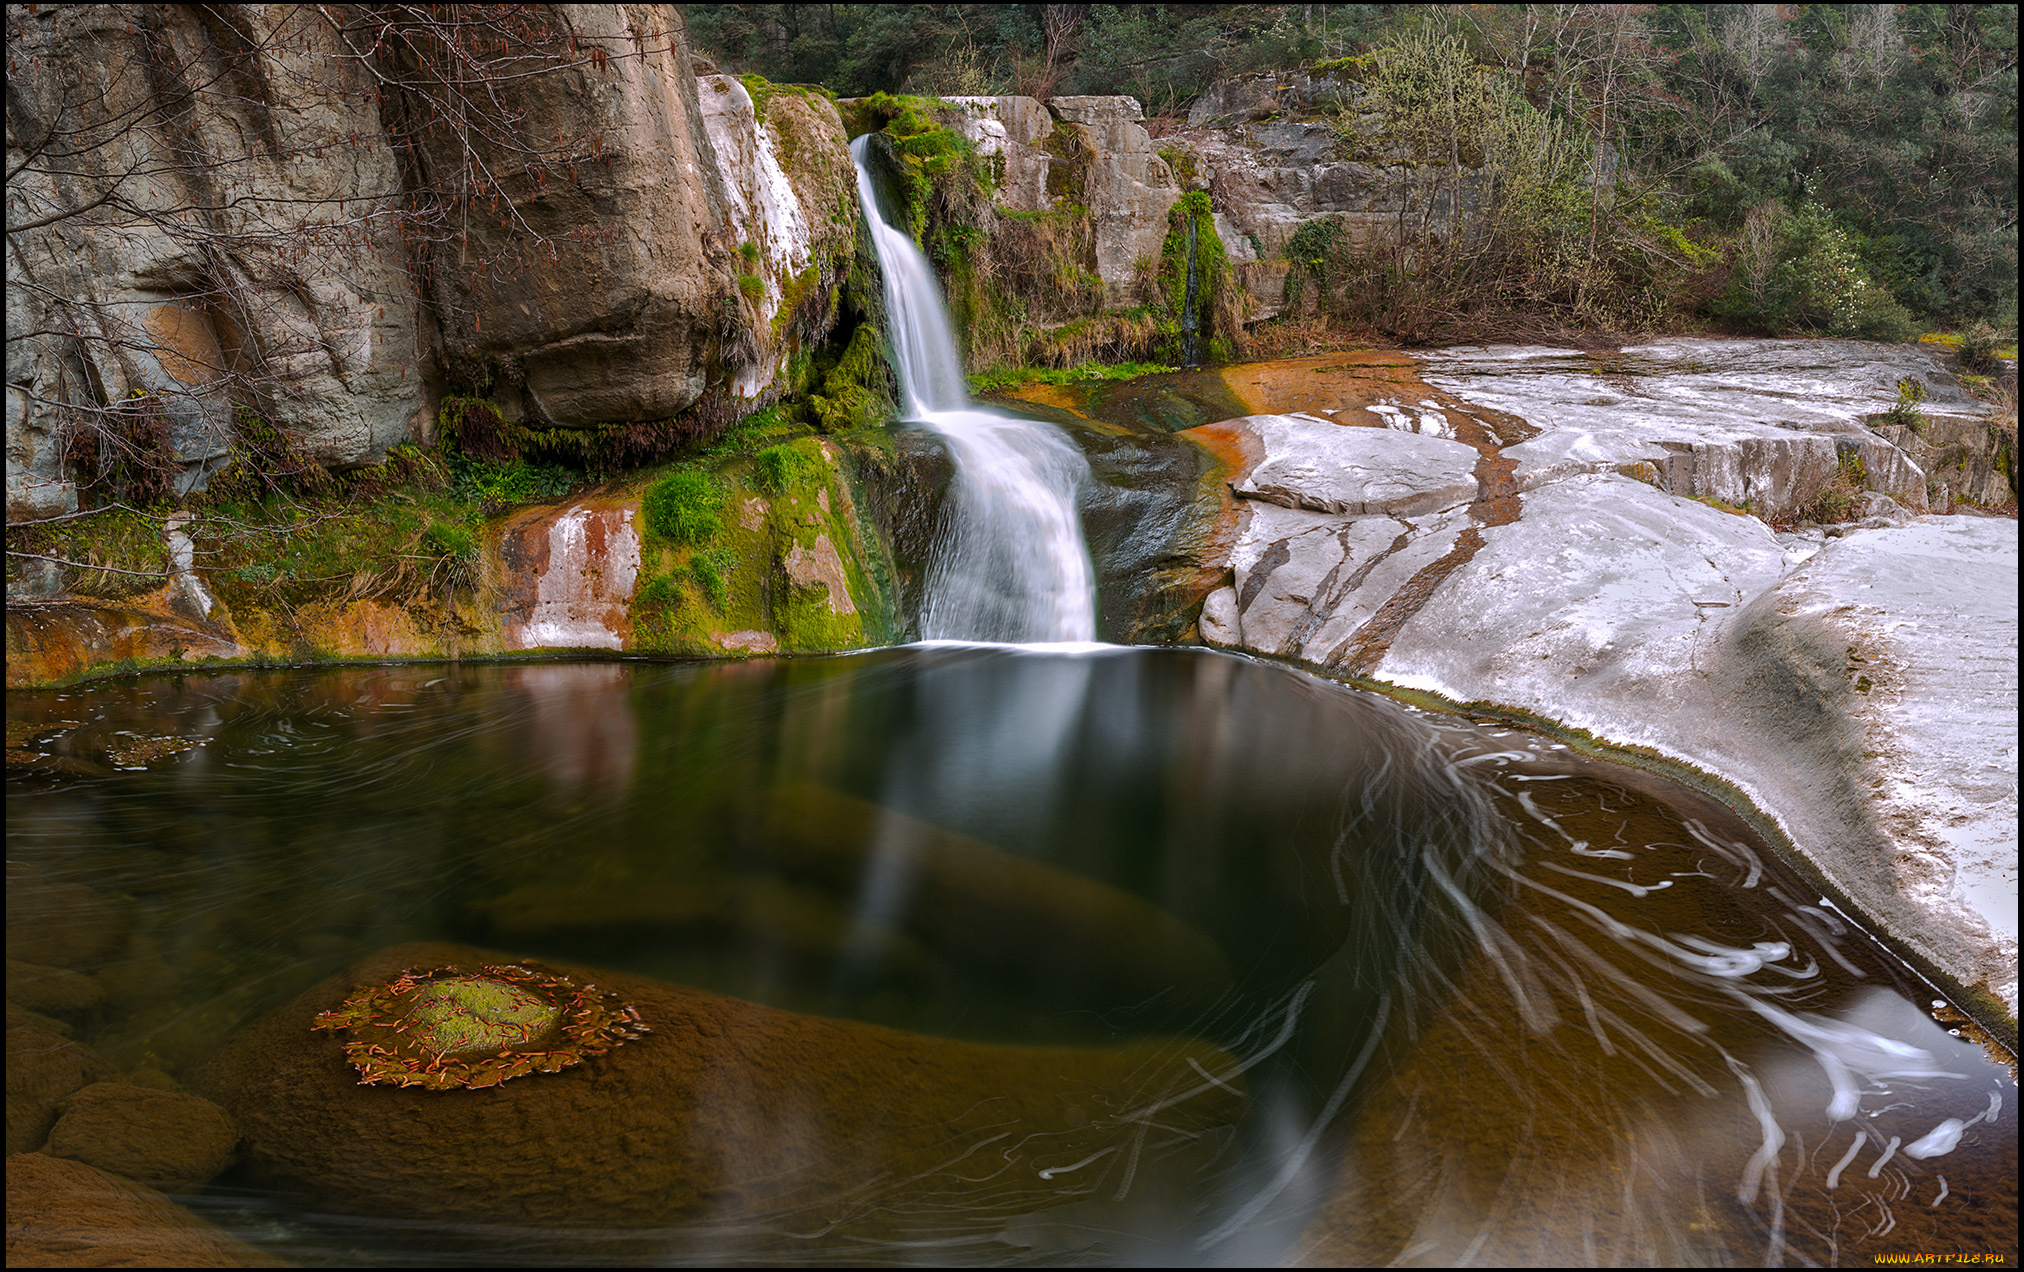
[1013, 565]
[1834, 1176]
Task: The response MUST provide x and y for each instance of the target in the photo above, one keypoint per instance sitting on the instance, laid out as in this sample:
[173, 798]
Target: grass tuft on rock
[684, 507]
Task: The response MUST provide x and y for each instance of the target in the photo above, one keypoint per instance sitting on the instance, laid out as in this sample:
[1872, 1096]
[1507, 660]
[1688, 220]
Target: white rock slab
[1762, 422]
[1865, 700]
[1305, 583]
[1595, 609]
[1308, 462]
[1928, 612]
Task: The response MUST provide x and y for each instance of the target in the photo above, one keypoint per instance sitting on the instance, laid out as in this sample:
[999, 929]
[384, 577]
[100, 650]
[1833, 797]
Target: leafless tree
[259, 177]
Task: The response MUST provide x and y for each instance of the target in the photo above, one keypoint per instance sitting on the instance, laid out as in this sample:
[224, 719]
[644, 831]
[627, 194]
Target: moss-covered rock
[1195, 285]
[789, 558]
[727, 1111]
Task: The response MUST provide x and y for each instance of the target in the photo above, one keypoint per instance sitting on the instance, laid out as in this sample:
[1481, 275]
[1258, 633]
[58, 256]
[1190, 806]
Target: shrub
[1817, 283]
[1978, 349]
[1906, 410]
[684, 507]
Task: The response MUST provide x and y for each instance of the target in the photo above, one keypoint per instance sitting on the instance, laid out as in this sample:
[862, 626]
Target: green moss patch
[769, 503]
[1196, 286]
[684, 508]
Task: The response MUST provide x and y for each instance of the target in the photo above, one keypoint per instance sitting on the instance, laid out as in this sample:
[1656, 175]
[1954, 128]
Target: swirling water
[1012, 564]
[1478, 1000]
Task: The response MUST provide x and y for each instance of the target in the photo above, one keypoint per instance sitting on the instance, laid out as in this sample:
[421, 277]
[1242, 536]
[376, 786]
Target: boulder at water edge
[725, 1111]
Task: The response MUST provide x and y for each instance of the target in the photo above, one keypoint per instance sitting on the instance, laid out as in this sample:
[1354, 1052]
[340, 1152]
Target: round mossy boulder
[728, 1115]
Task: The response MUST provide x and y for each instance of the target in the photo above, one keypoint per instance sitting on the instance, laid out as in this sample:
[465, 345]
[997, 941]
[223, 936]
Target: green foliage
[125, 546]
[789, 464]
[752, 287]
[1905, 411]
[684, 507]
[1810, 277]
[761, 90]
[924, 152]
[1081, 373]
[454, 549]
[1906, 114]
[1315, 250]
[658, 595]
[497, 486]
[1843, 493]
[1195, 282]
[855, 393]
[1979, 350]
[1164, 54]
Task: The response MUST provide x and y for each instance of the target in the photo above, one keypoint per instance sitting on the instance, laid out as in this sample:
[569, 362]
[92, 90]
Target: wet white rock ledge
[1758, 422]
[1866, 701]
[1858, 686]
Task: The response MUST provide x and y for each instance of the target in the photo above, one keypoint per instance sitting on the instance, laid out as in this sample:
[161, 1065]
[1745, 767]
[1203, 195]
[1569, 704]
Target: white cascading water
[1013, 565]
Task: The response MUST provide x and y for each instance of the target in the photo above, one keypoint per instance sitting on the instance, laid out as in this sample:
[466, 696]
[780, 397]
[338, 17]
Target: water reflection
[580, 728]
[1449, 994]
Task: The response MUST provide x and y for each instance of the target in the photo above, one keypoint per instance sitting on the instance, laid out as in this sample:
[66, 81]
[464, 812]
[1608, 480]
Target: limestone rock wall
[1088, 152]
[1268, 149]
[1129, 188]
[214, 213]
[791, 202]
[230, 246]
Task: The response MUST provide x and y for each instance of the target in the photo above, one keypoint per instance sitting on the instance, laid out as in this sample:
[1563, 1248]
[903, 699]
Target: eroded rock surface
[1856, 682]
[568, 576]
[300, 269]
[1765, 424]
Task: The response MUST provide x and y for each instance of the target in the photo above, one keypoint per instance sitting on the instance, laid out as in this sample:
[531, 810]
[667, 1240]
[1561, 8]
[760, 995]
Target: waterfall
[1012, 564]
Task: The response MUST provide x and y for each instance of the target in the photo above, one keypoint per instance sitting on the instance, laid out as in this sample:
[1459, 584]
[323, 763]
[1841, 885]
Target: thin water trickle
[1012, 564]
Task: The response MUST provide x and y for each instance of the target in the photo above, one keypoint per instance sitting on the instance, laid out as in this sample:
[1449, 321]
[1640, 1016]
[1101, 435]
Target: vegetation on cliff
[1831, 169]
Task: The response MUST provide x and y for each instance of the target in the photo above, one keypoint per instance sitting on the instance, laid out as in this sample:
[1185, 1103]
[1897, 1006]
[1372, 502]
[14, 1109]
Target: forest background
[1771, 169]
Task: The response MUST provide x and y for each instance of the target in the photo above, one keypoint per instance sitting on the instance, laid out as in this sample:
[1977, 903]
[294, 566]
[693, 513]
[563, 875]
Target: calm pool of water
[1454, 994]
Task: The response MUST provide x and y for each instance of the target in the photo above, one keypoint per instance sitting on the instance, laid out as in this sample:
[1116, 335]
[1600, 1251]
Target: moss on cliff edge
[1196, 287]
[788, 559]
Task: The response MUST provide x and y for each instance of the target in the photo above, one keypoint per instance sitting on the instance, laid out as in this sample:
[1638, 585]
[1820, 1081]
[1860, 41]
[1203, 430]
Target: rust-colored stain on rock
[55, 639]
[567, 575]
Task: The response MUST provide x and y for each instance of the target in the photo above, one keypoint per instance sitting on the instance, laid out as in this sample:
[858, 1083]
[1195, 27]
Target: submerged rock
[64, 1214]
[164, 1139]
[728, 1111]
[970, 901]
[43, 1068]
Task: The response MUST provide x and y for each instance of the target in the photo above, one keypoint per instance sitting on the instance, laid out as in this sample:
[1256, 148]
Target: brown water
[1480, 1000]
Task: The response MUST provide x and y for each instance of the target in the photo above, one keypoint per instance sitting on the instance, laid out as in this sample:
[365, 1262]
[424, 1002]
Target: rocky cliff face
[1087, 152]
[201, 174]
[240, 207]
